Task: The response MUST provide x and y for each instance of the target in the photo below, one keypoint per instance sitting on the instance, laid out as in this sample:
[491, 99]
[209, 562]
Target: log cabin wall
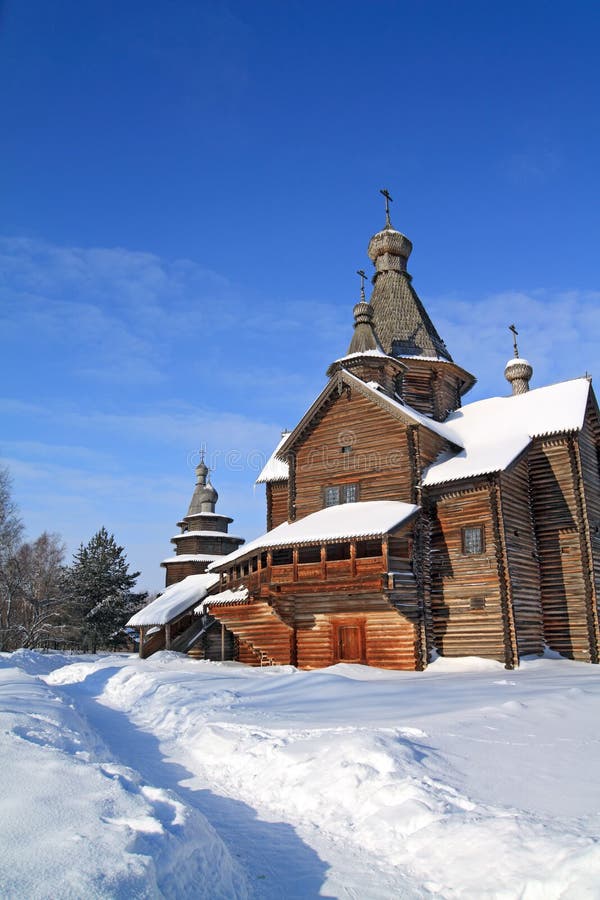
[379, 631]
[432, 388]
[277, 503]
[522, 558]
[378, 462]
[178, 571]
[557, 528]
[467, 608]
[589, 455]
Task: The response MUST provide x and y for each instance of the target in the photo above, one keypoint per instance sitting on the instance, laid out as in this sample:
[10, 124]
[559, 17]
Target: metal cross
[388, 200]
[363, 275]
[514, 334]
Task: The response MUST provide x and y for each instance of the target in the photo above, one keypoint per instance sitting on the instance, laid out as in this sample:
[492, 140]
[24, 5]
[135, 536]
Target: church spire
[401, 321]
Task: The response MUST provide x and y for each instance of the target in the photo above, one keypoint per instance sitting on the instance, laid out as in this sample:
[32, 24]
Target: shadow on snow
[277, 862]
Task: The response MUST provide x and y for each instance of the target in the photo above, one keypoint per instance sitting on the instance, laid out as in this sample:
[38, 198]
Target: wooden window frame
[477, 526]
[341, 489]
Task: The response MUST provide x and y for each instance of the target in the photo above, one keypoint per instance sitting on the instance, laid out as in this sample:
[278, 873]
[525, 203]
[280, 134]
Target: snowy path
[183, 779]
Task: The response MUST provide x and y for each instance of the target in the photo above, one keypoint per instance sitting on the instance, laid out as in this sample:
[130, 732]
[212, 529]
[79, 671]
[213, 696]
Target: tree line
[45, 603]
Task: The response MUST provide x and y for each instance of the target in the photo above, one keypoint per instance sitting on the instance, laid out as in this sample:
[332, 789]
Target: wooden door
[350, 643]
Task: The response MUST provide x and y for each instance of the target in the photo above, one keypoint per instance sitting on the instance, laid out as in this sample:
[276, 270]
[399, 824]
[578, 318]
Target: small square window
[347, 448]
[477, 603]
[472, 539]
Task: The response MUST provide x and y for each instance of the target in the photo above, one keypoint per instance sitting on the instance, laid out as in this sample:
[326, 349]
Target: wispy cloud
[559, 333]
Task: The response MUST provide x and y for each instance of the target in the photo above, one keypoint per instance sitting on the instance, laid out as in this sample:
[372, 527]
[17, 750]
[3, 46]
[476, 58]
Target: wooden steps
[258, 625]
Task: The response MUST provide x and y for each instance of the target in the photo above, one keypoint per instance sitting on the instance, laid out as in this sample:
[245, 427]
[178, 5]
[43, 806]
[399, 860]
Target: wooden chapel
[402, 522]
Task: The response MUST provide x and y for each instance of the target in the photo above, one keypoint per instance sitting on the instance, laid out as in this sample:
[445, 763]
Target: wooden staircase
[258, 625]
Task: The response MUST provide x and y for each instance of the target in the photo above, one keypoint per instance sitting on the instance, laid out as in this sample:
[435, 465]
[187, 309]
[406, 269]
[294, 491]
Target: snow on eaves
[275, 469]
[372, 518]
[174, 601]
[225, 598]
[495, 431]
[209, 534]
[192, 557]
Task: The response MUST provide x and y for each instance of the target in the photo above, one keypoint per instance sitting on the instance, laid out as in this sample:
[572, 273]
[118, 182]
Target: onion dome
[389, 249]
[518, 373]
[363, 338]
[205, 496]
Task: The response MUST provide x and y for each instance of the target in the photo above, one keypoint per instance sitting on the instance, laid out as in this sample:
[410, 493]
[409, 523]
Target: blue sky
[187, 189]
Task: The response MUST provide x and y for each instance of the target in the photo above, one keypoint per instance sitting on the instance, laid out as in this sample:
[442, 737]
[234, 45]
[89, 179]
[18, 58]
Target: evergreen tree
[100, 589]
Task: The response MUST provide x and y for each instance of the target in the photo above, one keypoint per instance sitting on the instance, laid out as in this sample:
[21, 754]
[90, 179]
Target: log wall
[466, 600]
[522, 558]
[589, 452]
[556, 518]
[277, 503]
[379, 460]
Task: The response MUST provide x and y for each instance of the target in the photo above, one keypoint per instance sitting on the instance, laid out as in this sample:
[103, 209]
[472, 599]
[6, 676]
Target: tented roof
[175, 600]
[372, 518]
[494, 432]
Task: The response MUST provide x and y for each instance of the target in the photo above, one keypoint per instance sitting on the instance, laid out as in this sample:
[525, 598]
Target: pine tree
[100, 589]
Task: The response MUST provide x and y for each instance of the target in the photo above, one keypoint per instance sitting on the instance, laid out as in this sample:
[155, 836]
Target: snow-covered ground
[177, 778]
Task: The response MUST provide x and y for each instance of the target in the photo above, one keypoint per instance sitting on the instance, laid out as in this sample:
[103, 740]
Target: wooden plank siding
[522, 558]
[382, 460]
[177, 571]
[557, 523]
[277, 503]
[467, 611]
[589, 461]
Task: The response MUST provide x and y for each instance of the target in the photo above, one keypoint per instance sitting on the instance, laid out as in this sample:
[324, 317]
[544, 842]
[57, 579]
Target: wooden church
[402, 522]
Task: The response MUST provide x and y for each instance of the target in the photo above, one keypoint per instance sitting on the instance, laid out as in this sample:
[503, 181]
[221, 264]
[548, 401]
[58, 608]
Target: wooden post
[385, 553]
[168, 636]
[353, 558]
[323, 562]
[141, 647]
[295, 564]
[222, 642]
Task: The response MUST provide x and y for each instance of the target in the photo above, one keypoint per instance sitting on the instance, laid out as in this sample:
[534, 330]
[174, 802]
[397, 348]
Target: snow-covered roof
[517, 361]
[192, 557]
[374, 352]
[275, 469]
[371, 518]
[225, 598]
[495, 431]
[218, 534]
[175, 600]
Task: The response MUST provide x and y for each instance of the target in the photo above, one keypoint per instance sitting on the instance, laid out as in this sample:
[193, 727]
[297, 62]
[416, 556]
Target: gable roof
[372, 391]
[496, 431]
[174, 601]
[365, 519]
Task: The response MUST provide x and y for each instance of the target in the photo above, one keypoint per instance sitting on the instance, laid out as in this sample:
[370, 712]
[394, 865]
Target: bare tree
[11, 530]
[37, 574]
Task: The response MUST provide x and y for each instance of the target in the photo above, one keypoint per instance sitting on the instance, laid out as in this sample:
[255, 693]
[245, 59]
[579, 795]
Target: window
[341, 493]
[347, 448]
[332, 496]
[472, 539]
[338, 551]
[309, 555]
[283, 557]
[477, 603]
[263, 559]
[365, 549]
